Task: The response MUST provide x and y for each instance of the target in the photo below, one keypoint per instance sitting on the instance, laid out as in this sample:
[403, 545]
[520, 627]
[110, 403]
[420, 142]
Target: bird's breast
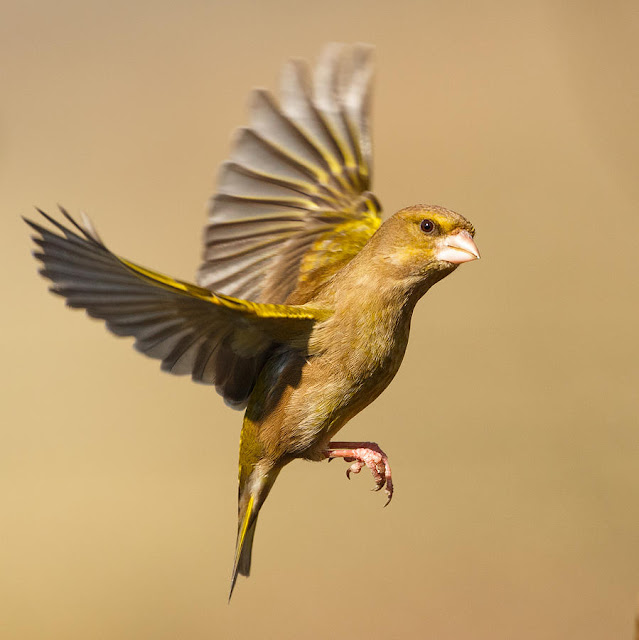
[300, 402]
[358, 362]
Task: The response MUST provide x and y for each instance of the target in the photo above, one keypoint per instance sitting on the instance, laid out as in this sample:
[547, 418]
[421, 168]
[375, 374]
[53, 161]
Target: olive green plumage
[304, 303]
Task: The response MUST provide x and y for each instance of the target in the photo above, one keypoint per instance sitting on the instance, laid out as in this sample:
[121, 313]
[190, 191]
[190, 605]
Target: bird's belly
[332, 393]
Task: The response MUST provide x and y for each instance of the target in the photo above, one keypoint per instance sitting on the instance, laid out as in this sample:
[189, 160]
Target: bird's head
[424, 243]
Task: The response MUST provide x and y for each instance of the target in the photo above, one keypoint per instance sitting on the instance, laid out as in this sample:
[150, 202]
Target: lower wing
[216, 339]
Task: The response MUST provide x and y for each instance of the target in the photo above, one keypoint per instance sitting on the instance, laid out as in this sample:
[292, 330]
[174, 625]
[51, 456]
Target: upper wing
[292, 203]
[217, 339]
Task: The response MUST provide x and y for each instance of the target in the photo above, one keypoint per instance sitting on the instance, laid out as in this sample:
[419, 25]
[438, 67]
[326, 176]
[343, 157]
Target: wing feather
[292, 204]
[217, 339]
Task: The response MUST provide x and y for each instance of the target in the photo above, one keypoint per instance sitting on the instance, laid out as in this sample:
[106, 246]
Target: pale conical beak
[458, 247]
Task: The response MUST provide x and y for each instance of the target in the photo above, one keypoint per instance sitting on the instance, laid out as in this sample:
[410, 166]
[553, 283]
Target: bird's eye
[427, 226]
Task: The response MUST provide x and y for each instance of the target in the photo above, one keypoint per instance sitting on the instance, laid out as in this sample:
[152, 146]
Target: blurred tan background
[512, 427]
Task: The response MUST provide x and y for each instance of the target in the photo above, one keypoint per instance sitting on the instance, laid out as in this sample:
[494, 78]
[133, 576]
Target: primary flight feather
[304, 301]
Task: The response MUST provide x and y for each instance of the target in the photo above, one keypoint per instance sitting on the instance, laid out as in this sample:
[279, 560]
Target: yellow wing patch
[234, 304]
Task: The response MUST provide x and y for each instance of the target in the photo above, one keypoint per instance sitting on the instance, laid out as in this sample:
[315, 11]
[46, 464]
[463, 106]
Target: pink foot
[363, 454]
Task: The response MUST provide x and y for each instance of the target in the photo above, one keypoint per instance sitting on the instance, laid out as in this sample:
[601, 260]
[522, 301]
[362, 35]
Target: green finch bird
[305, 298]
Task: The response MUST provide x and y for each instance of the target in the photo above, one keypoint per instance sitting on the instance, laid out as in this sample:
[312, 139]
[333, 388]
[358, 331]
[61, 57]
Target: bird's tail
[251, 499]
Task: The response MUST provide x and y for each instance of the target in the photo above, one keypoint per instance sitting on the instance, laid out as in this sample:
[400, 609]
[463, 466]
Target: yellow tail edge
[241, 538]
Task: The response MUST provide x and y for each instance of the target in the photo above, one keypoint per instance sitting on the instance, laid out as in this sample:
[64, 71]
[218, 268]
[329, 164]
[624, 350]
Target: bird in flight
[304, 299]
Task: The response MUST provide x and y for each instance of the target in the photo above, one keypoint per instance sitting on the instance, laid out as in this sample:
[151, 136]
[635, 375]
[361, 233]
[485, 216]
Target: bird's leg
[363, 454]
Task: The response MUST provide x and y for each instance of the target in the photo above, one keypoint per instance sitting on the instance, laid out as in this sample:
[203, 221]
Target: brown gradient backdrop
[512, 426]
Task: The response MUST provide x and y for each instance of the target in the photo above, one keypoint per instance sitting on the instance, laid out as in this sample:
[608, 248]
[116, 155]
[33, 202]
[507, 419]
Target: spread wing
[217, 339]
[293, 203]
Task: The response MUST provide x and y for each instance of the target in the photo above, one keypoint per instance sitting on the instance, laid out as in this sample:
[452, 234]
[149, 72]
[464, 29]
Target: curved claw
[356, 467]
[389, 490]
